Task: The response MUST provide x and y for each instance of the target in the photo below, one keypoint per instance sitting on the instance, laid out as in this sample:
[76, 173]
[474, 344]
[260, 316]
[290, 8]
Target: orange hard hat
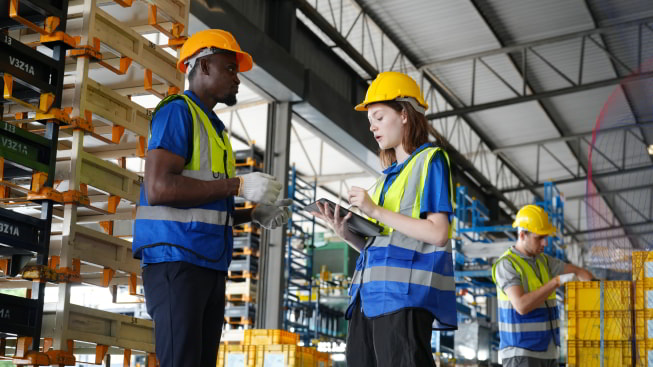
[216, 38]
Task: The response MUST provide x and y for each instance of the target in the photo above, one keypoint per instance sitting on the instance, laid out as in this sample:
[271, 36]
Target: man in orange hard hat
[183, 227]
[526, 282]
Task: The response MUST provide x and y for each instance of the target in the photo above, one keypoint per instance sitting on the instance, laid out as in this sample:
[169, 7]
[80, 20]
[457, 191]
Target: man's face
[223, 82]
[535, 244]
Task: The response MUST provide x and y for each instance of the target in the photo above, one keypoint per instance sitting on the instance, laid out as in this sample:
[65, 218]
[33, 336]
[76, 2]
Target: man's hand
[259, 188]
[565, 278]
[272, 216]
[584, 275]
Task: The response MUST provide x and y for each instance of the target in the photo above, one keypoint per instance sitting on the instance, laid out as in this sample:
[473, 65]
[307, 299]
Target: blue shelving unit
[299, 263]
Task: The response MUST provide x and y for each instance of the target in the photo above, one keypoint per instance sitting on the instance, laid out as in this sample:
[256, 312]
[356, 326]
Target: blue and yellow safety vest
[396, 271]
[534, 330]
[205, 230]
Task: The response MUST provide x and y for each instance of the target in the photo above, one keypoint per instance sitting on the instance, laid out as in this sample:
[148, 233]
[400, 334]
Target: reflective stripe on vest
[534, 330]
[397, 271]
[193, 228]
[183, 215]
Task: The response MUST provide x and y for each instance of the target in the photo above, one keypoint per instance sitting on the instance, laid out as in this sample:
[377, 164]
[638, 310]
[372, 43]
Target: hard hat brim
[361, 107]
[549, 230]
[245, 62]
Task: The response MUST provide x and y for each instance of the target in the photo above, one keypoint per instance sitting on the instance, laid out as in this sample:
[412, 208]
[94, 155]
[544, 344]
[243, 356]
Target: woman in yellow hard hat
[403, 286]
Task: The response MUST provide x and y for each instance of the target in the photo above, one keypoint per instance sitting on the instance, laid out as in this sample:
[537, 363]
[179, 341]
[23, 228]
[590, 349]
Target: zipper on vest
[226, 173]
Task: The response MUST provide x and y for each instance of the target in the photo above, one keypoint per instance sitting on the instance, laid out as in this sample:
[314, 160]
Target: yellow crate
[587, 353]
[268, 337]
[644, 325]
[322, 359]
[644, 294]
[644, 357]
[642, 265]
[239, 355]
[586, 296]
[586, 325]
[284, 355]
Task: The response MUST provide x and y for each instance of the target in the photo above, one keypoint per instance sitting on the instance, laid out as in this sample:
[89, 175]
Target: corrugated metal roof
[613, 12]
[434, 30]
[522, 21]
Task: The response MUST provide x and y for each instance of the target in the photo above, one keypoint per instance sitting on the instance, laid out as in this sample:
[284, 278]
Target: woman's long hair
[416, 132]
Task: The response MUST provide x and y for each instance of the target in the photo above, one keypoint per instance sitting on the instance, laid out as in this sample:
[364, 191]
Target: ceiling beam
[539, 95]
[620, 190]
[546, 41]
[595, 176]
[569, 137]
[611, 228]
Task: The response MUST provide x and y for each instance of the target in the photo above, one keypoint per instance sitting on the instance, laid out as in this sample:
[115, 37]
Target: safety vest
[205, 230]
[396, 271]
[534, 330]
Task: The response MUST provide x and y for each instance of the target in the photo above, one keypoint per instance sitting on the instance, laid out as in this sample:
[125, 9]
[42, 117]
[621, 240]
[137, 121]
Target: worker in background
[183, 227]
[526, 282]
[403, 286]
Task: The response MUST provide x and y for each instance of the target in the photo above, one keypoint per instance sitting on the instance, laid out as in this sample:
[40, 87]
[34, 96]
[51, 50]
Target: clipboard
[357, 224]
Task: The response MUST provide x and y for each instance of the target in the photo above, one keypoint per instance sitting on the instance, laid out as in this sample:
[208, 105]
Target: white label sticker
[274, 360]
[235, 360]
[649, 299]
[649, 269]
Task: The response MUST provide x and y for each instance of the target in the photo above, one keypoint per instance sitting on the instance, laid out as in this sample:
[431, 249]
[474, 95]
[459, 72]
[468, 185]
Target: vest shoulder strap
[169, 99]
[508, 256]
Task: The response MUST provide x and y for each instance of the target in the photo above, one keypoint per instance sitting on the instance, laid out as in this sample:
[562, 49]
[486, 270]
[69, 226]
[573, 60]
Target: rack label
[14, 145]
[9, 229]
[17, 63]
[8, 127]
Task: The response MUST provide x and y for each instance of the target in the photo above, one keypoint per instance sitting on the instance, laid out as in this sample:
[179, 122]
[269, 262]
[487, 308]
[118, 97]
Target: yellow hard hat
[390, 86]
[213, 38]
[534, 219]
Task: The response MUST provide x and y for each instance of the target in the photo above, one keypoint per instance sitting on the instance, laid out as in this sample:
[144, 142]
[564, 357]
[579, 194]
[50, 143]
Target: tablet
[357, 224]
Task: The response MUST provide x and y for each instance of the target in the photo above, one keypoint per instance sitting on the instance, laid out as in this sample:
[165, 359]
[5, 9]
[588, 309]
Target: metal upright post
[270, 297]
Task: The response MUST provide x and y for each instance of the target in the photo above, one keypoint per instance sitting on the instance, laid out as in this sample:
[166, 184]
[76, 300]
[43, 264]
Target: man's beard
[229, 100]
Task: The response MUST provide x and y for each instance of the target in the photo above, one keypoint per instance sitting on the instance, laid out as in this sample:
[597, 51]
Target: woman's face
[386, 124]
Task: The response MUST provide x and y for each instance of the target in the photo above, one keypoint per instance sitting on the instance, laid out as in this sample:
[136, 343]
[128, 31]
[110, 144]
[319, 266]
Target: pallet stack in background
[270, 348]
[120, 60]
[601, 318]
[240, 310]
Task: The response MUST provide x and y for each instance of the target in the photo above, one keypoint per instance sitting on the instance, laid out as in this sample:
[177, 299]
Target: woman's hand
[337, 223]
[359, 198]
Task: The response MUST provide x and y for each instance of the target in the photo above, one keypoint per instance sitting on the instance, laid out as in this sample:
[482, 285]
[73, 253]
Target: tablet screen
[357, 224]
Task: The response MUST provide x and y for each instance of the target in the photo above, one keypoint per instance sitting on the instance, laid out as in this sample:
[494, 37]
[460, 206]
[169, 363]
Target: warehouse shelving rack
[299, 262]
[33, 80]
[110, 61]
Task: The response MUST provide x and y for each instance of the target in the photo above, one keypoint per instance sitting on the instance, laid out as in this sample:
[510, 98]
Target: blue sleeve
[171, 129]
[435, 198]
